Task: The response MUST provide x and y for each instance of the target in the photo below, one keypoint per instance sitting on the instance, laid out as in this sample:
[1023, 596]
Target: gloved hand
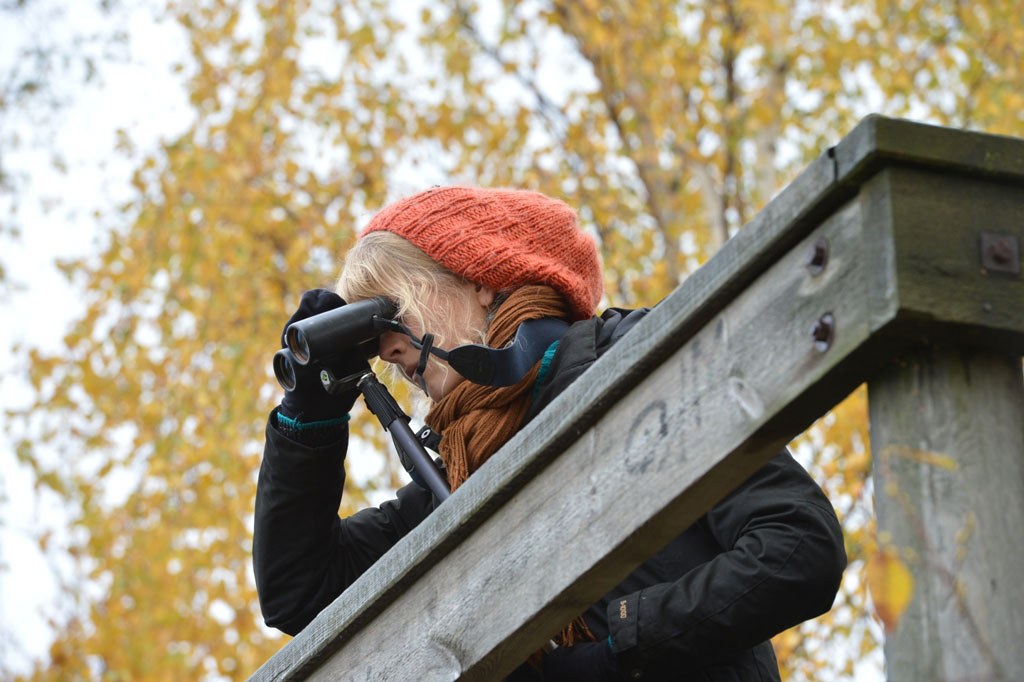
[309, 402]
[582, 662]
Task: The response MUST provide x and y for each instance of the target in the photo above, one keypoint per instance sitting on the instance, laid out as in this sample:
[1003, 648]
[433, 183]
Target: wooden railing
[893, 259]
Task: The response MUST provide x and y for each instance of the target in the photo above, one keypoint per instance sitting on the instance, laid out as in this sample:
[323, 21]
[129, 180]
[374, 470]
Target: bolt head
[1000, 253]
[817, 257]
[823, 332]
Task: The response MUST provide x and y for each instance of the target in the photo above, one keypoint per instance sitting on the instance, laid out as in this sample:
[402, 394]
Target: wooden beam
[879, 142]
[932, 236]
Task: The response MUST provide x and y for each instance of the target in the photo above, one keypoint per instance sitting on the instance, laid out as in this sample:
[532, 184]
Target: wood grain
[947, 433]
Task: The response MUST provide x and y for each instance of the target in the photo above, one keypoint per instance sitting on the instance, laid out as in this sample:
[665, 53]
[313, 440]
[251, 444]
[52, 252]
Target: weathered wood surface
[927, 233]
[879, 142]
[718, 376]
[947, 433]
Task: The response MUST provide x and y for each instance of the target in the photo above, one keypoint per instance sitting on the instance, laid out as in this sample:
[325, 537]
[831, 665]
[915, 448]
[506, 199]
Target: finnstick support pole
[414, 456]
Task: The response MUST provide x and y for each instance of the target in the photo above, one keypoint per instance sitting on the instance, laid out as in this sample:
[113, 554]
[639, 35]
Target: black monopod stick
[412, 453]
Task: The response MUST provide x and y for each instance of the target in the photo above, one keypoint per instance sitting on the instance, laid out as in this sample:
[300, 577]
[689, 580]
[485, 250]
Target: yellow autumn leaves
[669, 125]
[891, 584]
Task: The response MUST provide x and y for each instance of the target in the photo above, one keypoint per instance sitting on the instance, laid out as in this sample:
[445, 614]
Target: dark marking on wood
[649, 427]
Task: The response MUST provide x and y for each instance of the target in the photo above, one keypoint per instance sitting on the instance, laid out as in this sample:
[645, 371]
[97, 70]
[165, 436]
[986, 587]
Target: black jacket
[767, 557]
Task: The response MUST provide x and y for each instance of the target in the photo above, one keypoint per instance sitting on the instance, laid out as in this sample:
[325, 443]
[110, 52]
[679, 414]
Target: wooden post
[947, 433]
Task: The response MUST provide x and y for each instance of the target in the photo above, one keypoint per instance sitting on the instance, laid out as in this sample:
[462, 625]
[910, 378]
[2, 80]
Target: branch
[556, 120]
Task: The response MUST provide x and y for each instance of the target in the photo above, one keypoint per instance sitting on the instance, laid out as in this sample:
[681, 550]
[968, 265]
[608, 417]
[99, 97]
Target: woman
[471, 265]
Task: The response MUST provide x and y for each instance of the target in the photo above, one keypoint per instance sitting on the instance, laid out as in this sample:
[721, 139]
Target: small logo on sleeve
[622, 610]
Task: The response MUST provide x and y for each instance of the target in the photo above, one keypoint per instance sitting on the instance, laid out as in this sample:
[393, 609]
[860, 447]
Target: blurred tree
[42, 68]
[668, 124]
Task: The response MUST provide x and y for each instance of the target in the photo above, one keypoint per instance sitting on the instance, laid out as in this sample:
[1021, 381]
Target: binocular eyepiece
[351, 331]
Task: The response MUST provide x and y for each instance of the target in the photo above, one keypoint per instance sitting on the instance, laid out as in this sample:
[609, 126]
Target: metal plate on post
[1000, 253]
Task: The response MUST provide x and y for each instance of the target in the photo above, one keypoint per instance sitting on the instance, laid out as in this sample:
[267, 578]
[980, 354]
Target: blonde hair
[385, 264]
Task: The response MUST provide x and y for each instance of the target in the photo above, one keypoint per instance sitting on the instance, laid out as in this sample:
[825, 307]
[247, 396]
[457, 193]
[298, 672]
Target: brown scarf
[475, 421]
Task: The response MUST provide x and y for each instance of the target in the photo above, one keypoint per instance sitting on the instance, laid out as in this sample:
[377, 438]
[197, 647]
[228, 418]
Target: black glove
[583, 662]
[308, 401]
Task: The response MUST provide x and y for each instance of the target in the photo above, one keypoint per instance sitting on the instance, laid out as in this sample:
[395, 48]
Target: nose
[392, 346]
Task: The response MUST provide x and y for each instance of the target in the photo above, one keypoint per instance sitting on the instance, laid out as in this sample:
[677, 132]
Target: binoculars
[353, 330]
[346, 334]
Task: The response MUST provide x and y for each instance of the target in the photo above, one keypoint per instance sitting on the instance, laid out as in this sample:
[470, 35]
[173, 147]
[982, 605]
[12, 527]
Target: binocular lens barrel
[336, 331]
[284, 369]
[297, 344]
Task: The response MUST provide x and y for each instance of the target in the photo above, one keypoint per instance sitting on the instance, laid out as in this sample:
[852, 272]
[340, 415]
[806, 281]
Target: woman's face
[466, 318]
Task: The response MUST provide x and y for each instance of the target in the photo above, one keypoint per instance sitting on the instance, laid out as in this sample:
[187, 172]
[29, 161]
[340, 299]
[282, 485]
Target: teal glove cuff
[295, 425]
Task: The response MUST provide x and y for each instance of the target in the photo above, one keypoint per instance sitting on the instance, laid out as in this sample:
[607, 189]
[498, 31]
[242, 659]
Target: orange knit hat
[501, 238]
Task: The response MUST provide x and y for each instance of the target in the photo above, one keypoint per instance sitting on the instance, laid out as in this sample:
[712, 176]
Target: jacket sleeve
[304, 555]
[781, 564]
